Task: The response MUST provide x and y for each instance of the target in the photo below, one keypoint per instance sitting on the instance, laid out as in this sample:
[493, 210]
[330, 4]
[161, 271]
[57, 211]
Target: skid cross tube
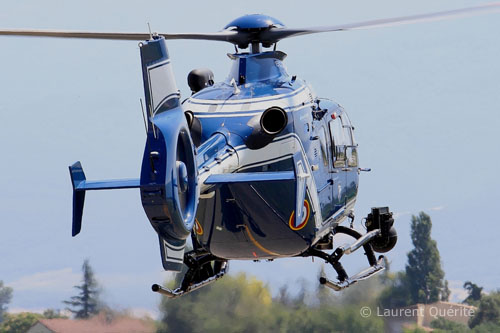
[361, 240]
[334, 259]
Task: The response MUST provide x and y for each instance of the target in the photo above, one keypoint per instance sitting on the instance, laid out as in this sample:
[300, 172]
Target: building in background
[97, 324]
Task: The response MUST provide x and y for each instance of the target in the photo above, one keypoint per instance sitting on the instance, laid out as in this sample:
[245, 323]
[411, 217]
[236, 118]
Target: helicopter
[260, 134]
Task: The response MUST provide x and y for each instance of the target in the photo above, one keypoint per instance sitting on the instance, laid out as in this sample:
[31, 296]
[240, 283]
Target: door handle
[329, 182]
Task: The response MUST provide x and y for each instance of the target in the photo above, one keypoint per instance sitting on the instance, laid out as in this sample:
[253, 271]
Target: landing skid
[344, 280]
[200, 273]
[381, 235]
[364, 274]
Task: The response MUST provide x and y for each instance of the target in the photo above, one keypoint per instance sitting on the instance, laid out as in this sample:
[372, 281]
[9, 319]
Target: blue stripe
[229, 178]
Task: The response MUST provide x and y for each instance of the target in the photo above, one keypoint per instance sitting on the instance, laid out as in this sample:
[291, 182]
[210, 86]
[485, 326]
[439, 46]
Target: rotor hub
[254, 22]
[250, 28]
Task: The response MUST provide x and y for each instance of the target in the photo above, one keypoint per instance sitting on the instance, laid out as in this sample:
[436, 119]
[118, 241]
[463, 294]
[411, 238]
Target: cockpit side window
[352, 156]
[346, 123]
[346, 129]
[339, 142]
[351, 150]
[324, 149]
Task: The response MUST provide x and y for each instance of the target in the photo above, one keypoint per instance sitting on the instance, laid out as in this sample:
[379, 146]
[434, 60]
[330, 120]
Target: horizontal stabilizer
[80, 185]
[108, 184]
[229, 178]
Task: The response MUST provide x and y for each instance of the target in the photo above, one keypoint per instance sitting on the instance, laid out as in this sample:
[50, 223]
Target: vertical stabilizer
[160, 89]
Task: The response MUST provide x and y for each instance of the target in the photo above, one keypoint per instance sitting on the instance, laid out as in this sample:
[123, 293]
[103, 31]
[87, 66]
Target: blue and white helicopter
[254, 167]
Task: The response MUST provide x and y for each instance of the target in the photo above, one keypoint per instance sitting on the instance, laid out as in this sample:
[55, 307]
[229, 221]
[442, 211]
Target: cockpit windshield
[248, 68]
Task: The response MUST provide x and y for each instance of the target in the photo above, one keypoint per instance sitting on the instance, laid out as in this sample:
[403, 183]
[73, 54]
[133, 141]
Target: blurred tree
[233, 304]
[5, 298]
[396, 294]
[284, 296]
[446, 292]
[323, 293]
[425, 277]
[442, 325]
[474, 292]
[364, 292]
[332, 318]
[488, 312]
[243, 304]
[488, 327]
[19, 323]
[86, 303]
[52, 313]
[414, 329]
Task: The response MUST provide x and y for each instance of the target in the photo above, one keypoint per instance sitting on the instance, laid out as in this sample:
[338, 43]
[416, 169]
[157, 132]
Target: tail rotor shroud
[169, 189]
[168, 182]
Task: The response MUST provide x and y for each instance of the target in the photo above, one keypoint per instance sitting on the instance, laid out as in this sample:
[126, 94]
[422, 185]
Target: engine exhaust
[266, 127]
[273, 120]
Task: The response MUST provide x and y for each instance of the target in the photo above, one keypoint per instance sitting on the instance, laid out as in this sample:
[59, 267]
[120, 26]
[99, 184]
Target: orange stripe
[197, 228]
[254, 241]
[303, 224]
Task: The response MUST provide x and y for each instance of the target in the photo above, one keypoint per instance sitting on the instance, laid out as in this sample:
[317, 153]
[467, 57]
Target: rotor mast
[255, 47]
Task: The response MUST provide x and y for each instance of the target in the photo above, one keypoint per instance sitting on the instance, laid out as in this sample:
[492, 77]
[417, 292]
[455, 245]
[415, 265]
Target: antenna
[151, 114]
[144, 116]
[150, 33]
[235, 86]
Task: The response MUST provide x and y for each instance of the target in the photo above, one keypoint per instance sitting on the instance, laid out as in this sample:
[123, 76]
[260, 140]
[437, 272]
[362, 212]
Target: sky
[424, 100]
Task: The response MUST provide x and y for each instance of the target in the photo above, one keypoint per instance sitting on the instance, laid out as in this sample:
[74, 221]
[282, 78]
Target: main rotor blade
[277, 34]
[224, 36]
[270, 36]
[75, 34]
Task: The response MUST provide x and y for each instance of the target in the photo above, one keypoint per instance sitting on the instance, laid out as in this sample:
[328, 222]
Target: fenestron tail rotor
[260, 29]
